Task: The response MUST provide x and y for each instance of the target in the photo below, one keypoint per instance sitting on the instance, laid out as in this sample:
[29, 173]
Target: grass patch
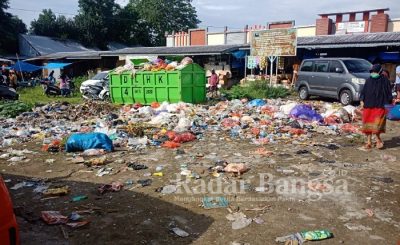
[34, 96]
[13, 108]
[256, 90]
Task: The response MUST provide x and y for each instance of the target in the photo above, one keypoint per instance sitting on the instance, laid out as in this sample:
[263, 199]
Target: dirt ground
[358, 200]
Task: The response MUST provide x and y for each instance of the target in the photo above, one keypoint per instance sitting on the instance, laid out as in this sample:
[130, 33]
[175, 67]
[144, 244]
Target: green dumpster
[187, 84]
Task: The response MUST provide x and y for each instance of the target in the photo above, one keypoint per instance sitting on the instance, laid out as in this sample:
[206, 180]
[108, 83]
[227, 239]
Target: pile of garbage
[156, 65]
[170, 125]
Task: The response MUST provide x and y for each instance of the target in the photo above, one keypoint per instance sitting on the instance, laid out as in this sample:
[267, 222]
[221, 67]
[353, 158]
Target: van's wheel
[303, 93]
[345, 97]
[106, 97]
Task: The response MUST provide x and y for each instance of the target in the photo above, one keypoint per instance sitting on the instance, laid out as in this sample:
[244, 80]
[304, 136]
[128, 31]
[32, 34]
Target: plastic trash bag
[393, 112]
[82, 142]
[256, 103]
[183, 125]
[305, 112]
[170, 144]
[184, 137]
[161, 119]
[286, 109]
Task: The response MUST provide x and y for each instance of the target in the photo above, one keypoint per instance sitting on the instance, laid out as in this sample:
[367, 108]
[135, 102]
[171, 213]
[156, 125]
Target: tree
[10, 27]
[45, 25]
[94, 21]
[51, 26]
[128, 28]
[161, 16]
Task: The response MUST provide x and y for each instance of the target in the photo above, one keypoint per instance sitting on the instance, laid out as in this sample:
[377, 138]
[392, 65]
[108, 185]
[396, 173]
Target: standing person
[397, 83]
[3, 79]
[213, 82]
[6, 73]
[13, 79]
[374, 96]
[51, 78]
[64, 85]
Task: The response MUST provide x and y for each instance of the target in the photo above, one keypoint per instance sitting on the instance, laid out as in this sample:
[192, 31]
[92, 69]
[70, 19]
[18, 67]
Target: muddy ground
[357, 197]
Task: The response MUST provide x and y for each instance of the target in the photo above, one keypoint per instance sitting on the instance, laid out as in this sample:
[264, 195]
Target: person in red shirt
[213, 82]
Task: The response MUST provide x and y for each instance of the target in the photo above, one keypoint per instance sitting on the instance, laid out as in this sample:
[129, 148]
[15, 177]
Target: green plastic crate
[145, 87]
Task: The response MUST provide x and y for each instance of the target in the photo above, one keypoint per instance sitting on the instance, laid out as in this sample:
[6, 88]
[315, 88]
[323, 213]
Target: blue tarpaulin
[27, 67]
[56, 65]
[389, 56]
[23, 66]
[239, 54]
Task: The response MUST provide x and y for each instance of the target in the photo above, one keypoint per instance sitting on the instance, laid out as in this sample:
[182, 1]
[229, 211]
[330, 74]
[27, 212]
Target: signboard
[275, 42]
[351, 27]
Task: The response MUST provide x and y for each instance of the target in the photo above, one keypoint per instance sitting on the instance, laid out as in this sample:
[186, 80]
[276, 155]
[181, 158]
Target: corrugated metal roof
[188, 50]
[354, 40]
[47, 45]
[71, 55]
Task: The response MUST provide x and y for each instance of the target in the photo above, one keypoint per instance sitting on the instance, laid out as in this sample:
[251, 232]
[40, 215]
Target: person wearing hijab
[375, 94]
[13, 80]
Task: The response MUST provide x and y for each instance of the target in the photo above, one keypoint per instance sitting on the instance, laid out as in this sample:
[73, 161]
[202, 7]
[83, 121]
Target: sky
[232, 13]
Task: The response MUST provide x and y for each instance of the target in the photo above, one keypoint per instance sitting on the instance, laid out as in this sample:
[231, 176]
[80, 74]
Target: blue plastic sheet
[393, 112]
[305, 112]
[24, 66]
[257, 102]
[82, 142]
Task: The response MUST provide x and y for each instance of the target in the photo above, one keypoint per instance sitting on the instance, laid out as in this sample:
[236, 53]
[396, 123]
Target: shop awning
[56, 65]
[24, 66]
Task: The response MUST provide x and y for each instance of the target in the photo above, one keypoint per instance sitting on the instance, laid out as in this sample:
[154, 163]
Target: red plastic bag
[54, 217]
[255, 131]
[170, 144]
[296, 131]
[184, 137]
[332, 120]
[349, 128]
[229, 123]
[171, 135]
[155, 105]
[137, 106]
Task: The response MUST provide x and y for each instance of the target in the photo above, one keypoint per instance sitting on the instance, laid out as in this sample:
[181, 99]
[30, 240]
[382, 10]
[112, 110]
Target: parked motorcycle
[8, 93]
[50, 89]
[95, 90]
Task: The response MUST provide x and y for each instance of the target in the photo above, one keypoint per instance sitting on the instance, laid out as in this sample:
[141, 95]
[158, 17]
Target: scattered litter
[74, 216]
[386, 180]
[301, 237]
[369, 212]
[355, 227]
[16, 159]
[77, 224]
[79, 198]
[94, 152]
[135, 166]
[104, 171]
[53, 217]
[179, 232]
[62, 191]
[145, 182]
[50, 161]
[258, 220]
[169, 189]
[113, 187]
[214, 202]
[237, 168]
[98, 161]
[388, 158]
[241, 223]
